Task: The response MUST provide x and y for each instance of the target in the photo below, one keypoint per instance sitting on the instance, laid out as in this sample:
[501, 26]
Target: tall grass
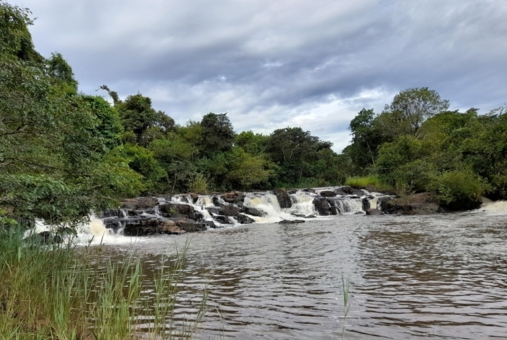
[54, 292]
[372, 183]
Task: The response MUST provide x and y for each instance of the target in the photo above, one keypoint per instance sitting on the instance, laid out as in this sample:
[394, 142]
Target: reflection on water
[432, 277]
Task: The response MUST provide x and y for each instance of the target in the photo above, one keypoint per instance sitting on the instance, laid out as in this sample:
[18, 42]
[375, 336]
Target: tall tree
[409, 109]
[217, 134]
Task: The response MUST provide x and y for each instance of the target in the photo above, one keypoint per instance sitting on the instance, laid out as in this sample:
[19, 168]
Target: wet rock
[216, 201]
[366, 204]
[416, 204]
[194, 197]
[373, 212]
[283, 198]
[382, 202]
[175, 209]
[44, 237]
[291, 221]
[139, 203]
[184, 199]
[309, 190]
[229, 210]
[169, 227]
[327, 193]
[193, 227]
[222, 219]
[243, 219]
[322, 206]
[111, 213]
[349, 191]
[334, 210]
[141, 226]
[232, 197]
[254, 212]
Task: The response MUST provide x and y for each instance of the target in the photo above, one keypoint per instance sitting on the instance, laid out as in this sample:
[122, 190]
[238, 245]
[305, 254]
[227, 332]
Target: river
[411, 277]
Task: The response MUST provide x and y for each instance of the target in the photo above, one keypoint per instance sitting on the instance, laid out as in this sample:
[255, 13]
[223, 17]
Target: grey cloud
[270, 62]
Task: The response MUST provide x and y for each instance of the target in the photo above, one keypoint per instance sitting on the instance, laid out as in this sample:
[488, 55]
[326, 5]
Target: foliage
[56, 292]
[217, 134]
[458, 190]
[409, 109]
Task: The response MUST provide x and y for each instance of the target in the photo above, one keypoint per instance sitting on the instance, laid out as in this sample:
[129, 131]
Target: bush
[458, 190]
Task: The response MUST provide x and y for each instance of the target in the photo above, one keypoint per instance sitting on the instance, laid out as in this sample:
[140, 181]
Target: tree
[409, 109]
[217, 134]
[293, 149]
[137, 115]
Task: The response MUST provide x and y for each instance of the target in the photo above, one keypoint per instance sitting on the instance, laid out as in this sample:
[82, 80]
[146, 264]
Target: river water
[411, 277]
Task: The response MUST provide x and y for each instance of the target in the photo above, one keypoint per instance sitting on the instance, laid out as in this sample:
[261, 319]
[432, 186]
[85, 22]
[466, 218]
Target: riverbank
[58, 292]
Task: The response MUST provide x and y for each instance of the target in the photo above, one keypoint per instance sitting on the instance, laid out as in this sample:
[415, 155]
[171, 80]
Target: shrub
[458, 190]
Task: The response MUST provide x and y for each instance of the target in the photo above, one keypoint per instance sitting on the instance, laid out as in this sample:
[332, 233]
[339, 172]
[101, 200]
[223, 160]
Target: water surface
[411, 277]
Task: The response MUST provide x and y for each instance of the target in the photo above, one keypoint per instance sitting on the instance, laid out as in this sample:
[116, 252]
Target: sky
[272, 64]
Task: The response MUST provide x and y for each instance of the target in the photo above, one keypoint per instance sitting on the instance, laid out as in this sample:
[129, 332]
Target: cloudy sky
[276, 63]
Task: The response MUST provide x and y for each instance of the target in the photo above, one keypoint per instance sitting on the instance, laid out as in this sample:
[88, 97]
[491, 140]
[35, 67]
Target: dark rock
[215, 210]
[139, 203]
[232, 197]
[309, 190]
[44, 237]
[215, 201]
[327, 193]
[210, 224]
[291, 222]
[141, 226]
[222, 219]
[382, 202]
[184, 199]
[229, 210]
[373, 212]
[112, 213]
[366, 204]
[416, 204]
[169, 227]
[334, 210]
[175, 209]
[243, 219]
[349, 191]
[322, 206]
[193, 227]
[254, 212]
[283, 198]
[194, 196]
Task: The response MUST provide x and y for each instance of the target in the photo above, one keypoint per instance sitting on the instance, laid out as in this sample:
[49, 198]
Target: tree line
[64, 153]
[417, 144]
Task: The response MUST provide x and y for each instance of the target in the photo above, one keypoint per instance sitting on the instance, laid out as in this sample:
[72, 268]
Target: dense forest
[64, 153]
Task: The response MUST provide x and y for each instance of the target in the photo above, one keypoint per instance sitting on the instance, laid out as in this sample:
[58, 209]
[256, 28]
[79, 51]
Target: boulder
[366, 204]
[416, 204]
[139, 203]
[254, 211]
[327, 193]
[244, 219]
[229, 210]
[176, 209]
[169, 227]
[193, 227]
[232, 197]
[373, 212]
[194, 196]
[222, 219]
[345, 190]
[322, 206]
[291, 221]
[283, 198]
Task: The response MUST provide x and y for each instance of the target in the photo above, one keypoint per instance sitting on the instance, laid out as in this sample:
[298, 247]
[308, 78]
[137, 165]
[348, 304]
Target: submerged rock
[373, 212]
[291, 221]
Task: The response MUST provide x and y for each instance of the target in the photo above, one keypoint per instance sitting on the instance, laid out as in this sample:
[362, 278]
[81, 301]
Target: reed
[54, 292]
[346, 303]
[372, 183]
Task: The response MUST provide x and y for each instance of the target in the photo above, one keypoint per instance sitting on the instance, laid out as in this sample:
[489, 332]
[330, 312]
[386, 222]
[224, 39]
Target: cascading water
[219, 211]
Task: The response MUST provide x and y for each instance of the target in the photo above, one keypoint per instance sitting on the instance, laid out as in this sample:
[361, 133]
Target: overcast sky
[276, 63]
